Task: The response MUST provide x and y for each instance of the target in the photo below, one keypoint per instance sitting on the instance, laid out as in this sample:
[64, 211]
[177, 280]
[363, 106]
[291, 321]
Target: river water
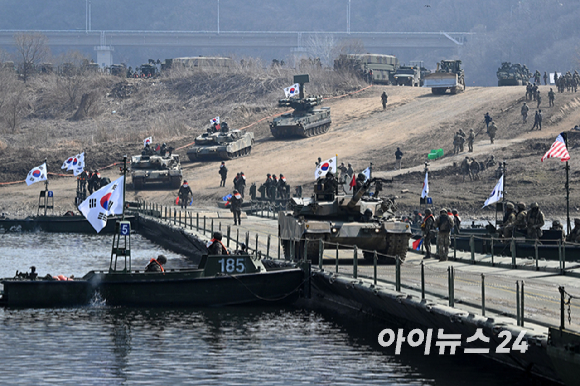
[100, 345]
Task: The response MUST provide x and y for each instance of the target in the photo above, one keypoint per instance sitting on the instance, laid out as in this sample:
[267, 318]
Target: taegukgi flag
[147, 141]
[292, 90]
[215, 120]
[104, 202]
[367, 173]
[67, 164]
[36, 174]
[496, 195]
[425, 191]
[325, 167]
[79, 165]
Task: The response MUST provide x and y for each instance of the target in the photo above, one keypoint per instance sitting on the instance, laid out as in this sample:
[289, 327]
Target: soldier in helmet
[223, 172]
[215, 245]
[535, 221]
[427, 228]
[268, 184]
[384, 98]
[557, 226]
[509, 220]
[470, 140]
[444, 223]
[491, 131]
[524, 112]
[574, 236]
[350, 171]
[520, 224]
[235, 203]
[551, 97]
[360, 180]
[417, 218]
[456, 220]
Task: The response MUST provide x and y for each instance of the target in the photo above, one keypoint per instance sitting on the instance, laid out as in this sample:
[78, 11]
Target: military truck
[448, 76]
[383, 66]
[305, 120]
[513, 74]
[118, 70]
[148, 70]
[407, 76]
[221, 144]
[146, 169]
[368, 222]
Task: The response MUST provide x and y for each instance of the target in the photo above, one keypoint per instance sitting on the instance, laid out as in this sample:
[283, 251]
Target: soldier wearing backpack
[444, 223]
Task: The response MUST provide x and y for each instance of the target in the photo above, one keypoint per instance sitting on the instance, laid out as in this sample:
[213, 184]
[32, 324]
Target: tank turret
[221, 144]
[150, 168]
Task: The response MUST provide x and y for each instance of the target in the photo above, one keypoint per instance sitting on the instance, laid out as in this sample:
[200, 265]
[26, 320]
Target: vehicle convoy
[368, 222]
[305, 120]
[147, 169]
[513, 74]
[448, 76]
[221, 144]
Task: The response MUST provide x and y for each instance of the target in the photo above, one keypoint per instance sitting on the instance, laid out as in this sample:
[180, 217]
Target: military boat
[60, 224]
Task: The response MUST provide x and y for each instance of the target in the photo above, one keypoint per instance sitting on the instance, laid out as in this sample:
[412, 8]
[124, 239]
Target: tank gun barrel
[365, 188]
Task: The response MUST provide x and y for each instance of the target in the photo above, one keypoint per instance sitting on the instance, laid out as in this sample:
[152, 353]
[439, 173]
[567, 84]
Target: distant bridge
[291, 40]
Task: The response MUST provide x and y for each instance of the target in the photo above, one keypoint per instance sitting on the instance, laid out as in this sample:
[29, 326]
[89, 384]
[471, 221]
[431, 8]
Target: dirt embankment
[415, 120]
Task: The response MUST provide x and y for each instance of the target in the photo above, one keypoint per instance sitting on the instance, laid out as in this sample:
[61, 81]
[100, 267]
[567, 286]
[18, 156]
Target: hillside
[362, 132]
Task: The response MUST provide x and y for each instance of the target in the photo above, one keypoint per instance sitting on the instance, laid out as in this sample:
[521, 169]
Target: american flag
[558, 150]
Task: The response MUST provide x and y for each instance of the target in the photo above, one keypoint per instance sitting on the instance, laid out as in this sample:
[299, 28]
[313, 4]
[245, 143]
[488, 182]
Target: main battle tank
[343, 219]
[513, 74]
[156, 168]
[221, 145]
[305, 120]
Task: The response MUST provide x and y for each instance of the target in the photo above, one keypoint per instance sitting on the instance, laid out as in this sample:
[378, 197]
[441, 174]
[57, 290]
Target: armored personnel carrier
[221, 144]
[305, 120]
[147, 169]
[368, 222]
[513, 74]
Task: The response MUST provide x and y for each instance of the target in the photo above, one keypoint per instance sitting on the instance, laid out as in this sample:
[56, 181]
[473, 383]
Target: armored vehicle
[408, 76]
[148, 70]
[118, 70]
[382, 66]
[368, 222]
[448, 76]
[513, 74]
[156, 168]
[305, 120]
[221, 145]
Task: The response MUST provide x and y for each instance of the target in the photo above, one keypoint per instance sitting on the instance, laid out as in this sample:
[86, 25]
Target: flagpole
[46, 187]
[124, 184]
[565, 135]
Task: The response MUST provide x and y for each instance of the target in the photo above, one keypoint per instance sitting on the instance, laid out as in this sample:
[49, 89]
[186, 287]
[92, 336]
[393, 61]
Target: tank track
[312, 250]
[398, 244]
[317, 130]
[237, 154]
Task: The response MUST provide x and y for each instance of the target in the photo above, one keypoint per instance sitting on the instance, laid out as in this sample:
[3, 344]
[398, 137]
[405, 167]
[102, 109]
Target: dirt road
[362, 132]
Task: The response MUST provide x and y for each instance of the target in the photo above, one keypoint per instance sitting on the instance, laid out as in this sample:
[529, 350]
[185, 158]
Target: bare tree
[15, 108]
[31, 49]
[348, 46]
[320, 46]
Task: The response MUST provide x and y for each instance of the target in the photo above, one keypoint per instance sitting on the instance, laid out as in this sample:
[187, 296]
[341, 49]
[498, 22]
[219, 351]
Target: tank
[221, 145]
[165, 170]
[512, 74]
[305, 120]
[340, 218]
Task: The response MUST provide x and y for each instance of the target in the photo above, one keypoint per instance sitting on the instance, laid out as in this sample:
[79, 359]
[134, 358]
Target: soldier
[282, 190]
[242, 184]
[236, 178]
[538, 120]
[330, 184]
[538, 98]
[384, 97]
[350, 171]
[557, 226]
[445, 224]
[215, 245]
[470, 140]
[574, 236]
[163, 149]
[551, 97]
[535, 221]
[274, 187]
[343, 172]
[360, 180]
[223, 172]
[520, 224]
[529, 91]
[524, 111]
[318, 162]
[398, 157]
[268, 183]
[461, 139]
[427, 228]
[235, 203]
[94, 182]
[545, 78]
[156, 265]
[456, 220]
[491, 131]
[417, 218]
[534, 91]
[509, 220]
[183, 194]
[487, 119]
[456, 143]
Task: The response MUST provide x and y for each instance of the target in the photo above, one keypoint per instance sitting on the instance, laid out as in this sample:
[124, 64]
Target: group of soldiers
[459, 140]
[161, 150]
[523, 221]
[345, 173]
[90, 180]
[440, 227]
[240, 183]
[568, 81]
[275, 187]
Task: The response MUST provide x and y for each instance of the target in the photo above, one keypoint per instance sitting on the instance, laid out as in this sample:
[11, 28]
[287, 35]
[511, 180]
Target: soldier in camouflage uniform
[470, 140]
[427, 228]
[520, 224]
[535, 221]
[444, 224]
[538, 98]
[509, 220]
[557, 226]
[491, 131]
[574, 236]
[461, 139]
[524, 111]
[551, 97]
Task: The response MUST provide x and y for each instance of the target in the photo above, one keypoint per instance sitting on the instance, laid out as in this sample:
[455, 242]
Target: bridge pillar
[104, 56]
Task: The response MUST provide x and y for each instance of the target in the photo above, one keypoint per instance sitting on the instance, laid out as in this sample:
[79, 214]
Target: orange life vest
[158, 263]
[219, 241]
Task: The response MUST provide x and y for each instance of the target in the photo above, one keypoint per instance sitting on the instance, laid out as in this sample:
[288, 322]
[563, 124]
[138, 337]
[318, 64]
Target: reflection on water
[112, 346]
